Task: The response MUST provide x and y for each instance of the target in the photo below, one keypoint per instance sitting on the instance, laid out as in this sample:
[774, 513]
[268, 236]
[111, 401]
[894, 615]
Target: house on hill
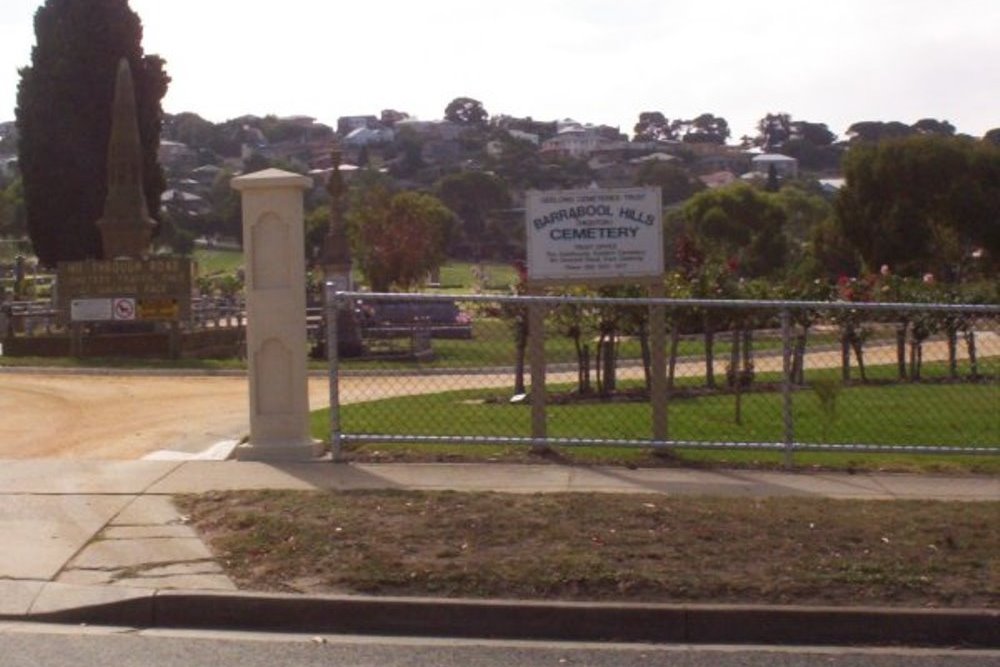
[784, 166]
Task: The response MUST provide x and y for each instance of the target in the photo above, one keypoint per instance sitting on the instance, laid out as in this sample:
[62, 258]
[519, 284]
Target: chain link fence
[664, 374]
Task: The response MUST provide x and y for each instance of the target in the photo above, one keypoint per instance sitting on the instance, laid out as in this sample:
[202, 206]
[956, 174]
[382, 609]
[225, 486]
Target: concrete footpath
[100, 542]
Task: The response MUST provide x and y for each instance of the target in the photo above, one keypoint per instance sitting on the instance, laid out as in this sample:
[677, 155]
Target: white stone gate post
[273, 243]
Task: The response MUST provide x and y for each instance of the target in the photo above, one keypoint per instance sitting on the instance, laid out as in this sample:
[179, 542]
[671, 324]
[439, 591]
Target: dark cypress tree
[63, 114]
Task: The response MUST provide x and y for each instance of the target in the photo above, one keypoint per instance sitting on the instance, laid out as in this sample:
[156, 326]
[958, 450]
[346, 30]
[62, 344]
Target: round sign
[124, 309]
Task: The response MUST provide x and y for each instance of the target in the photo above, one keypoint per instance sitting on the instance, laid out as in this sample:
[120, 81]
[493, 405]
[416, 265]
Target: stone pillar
[273, 243]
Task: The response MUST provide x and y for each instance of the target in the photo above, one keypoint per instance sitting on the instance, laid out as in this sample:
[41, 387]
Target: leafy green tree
[875, 131]
[189, 129]
[396, 239]
[675, 183]
[473, 195]
[654, 126]
[740, 226]
[934, 126]
[64, 103]
[705, 129]
[466, 111]
[924, 203]
[13, 219]
[225, 216]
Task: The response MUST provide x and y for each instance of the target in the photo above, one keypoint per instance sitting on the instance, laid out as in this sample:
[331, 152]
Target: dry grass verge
[607, 547]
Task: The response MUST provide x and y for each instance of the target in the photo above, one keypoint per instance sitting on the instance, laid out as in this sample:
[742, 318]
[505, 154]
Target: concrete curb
[530, 620]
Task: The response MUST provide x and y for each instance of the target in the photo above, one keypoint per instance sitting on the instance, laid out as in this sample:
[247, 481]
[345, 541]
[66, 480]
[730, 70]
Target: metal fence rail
[750, 376]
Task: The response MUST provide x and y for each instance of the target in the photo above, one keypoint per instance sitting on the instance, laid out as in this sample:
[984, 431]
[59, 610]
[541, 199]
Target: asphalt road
[55, 646]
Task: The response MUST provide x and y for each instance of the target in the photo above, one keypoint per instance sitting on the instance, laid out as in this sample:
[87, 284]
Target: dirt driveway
[51, 415]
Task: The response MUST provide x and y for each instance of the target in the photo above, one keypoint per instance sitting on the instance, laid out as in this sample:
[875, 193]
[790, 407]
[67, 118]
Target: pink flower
[928, 278]
[884, 270]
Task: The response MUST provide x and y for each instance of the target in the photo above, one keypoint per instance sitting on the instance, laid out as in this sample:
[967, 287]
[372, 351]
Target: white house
[784, 166]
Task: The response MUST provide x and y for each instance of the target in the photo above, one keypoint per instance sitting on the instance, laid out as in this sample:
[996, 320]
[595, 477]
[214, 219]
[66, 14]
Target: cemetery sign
[605, 235]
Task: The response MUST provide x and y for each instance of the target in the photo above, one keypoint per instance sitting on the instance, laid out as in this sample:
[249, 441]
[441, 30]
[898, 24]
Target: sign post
[597, 237]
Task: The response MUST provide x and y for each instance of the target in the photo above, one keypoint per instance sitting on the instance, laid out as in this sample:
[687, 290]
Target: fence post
[333, 369]
[536, 359]
[658, 363]
[786, 386]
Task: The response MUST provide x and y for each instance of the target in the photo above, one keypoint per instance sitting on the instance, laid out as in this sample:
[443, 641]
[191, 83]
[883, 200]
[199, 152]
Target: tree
[396, 239]
[675, 183]
[12, 216]
[473, 195]
[653, 126]
[466, 111]
[190, 129]
[992, 136]
[773, 130]
[922, 203]
[875, 131]
[63, 114]
[934, 126]
[739, 226]
[705, 129]
[810, 143]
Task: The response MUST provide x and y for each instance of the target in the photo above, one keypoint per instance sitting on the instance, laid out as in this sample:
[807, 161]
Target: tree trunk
[952, 334]
[748, 355]
[859, 352]
[799, 357]
[733, 372]
[970, 343]
[901, 349]
[599, 365]
[709, 357]
[845, 357]
[916, 355]
[582, 366]
[522, 348]
[737, 378]
[675, 341]
[610, 379]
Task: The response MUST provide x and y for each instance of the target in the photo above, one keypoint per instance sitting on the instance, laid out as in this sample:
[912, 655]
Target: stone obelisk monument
[126, 227]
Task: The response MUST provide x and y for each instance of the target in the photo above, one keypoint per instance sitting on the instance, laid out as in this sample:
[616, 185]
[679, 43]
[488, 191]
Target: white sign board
[90, 310]
[581, 235]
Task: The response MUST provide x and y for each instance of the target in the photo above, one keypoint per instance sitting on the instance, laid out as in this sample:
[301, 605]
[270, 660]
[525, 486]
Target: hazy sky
[599, 61]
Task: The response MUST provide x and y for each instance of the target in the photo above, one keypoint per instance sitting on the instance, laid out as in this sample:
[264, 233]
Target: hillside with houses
[683, 157]
[481, 166]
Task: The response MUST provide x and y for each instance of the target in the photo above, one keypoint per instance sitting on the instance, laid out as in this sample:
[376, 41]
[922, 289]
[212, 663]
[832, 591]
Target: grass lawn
[647, 548]
[212, 261]
[961, 414]
[460, 276]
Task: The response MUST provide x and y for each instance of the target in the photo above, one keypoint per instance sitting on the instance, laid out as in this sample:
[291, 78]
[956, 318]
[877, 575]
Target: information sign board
[90, 310]
[608, 235]
[141, 290]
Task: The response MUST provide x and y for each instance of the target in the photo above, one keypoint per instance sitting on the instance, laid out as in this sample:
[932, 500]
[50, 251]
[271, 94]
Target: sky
[596, 61]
